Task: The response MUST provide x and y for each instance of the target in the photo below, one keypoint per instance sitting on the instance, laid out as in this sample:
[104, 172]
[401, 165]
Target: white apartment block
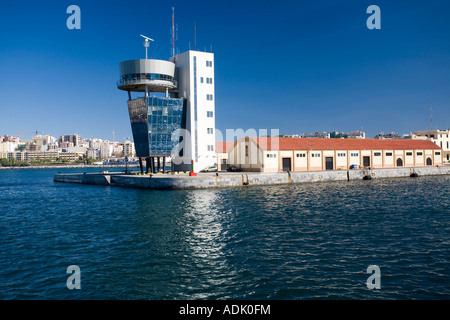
[128, 149]
[440, 137]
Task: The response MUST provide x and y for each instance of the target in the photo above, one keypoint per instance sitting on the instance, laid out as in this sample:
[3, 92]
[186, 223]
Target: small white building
[440, 137]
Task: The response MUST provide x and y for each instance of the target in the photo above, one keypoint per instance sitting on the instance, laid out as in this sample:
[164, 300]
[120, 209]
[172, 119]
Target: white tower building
[195, 74]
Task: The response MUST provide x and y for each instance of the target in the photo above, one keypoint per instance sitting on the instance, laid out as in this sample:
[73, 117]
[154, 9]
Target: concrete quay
[241, 179]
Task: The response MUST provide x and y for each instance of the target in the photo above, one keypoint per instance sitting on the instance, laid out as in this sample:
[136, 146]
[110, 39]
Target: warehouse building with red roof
[311, 154]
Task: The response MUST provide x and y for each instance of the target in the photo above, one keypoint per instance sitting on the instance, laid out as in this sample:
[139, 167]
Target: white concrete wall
[341, 159]
[315, 160]
[354, 157]
[300, 160]
[271, 159]
[204, 155]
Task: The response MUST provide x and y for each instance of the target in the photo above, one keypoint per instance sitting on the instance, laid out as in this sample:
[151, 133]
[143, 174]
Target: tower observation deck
[147, 74]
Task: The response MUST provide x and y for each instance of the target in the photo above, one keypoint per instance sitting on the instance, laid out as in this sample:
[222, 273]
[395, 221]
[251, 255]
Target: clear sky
[297, 66]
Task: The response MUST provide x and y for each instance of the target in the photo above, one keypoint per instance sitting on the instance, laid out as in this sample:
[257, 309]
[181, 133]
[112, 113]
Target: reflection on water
[205, 265]
[306, 241]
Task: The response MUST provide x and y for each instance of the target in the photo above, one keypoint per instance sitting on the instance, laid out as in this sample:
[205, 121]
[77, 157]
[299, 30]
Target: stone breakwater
[241, 179]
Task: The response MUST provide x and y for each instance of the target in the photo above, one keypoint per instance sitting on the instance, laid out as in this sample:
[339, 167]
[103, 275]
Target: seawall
[69, 166]
[241, 179]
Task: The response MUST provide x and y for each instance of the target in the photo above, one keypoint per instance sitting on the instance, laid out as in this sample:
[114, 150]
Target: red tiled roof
[343, 144]
[224, 147]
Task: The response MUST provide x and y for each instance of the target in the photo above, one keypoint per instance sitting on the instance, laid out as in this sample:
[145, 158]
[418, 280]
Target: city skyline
[296, 66]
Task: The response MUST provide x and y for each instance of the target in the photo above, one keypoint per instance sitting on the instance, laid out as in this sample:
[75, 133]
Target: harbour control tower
[175, 114]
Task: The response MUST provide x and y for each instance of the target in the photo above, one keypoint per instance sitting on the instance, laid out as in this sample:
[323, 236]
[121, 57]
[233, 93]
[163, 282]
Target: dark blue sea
[306, 241]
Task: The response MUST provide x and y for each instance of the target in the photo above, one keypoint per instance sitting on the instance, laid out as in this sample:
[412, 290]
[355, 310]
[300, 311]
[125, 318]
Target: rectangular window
[210, 130]
[209, 97]
[419, 153]
[246, 151]
[409, 153]
[315, 155]
[301, 155]
[201, 79]
[437, 153]
[209, 63]
[354, 154]
[209, 114]
[377, 154]
[341, 154]
[388, 154]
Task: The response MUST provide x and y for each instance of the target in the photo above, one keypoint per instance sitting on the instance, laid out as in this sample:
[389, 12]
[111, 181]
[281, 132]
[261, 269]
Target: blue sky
[297, 66]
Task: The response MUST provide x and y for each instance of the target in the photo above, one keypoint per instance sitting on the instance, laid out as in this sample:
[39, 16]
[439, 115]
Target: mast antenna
[431, 118]
[173, 32]
[146, 44]
[195, 36]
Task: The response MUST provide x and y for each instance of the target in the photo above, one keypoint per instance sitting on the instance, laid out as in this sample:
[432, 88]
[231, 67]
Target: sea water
[304, 241]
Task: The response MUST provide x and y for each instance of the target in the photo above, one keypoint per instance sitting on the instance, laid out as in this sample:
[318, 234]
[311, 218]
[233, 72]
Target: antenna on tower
[431, 118]
[195, 36]
[146, 44]
[173, 32]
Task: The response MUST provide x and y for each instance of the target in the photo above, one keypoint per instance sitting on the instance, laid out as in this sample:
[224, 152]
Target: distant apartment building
[42, 155]
[16, 155]
[289, 136]
[117, 149]
[71, 156]
[357, 135]
[8, 146]
[74, 138]
[391, 135]
[440, 137]
[338, 135]
[105, 149]
[95, 143]
[7, 138]
[92, 153]
[66, 145]
[128, 149]
[45, 142]
[99, 148]
[316, 135]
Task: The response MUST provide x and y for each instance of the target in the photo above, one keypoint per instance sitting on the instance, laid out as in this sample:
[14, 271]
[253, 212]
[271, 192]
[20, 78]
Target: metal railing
[143, 81]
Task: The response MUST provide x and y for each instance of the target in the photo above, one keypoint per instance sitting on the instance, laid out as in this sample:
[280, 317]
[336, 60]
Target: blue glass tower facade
[154, 121]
